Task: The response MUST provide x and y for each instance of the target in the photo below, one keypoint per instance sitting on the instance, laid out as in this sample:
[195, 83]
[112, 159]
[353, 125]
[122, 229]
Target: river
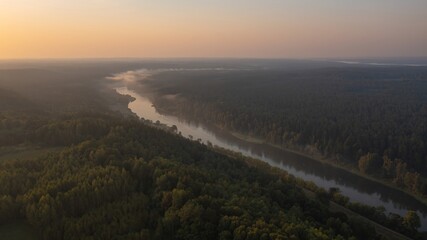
[357, 188]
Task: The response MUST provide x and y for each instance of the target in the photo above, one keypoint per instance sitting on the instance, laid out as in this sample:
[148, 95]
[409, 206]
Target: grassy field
[18, 231]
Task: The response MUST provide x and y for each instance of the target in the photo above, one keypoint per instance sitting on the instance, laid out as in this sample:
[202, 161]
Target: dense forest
[371, 118]
[123, 180]
[105, 175]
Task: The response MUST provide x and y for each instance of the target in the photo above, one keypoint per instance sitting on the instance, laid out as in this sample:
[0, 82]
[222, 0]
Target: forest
[124, 180]
[109, 175]
[372, 119]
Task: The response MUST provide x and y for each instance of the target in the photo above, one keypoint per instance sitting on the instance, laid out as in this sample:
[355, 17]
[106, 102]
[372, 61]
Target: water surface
[357, 188]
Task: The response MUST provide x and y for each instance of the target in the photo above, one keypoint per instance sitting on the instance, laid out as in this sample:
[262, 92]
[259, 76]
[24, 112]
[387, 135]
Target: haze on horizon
[208, 28]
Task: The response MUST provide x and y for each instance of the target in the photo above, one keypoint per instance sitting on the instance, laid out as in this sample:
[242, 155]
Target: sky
[213, 28]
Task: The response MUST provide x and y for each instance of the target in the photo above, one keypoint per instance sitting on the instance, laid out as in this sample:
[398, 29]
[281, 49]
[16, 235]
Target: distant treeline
[373, 118]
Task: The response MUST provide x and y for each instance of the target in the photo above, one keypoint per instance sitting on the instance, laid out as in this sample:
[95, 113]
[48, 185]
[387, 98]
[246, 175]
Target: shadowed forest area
[71, 167]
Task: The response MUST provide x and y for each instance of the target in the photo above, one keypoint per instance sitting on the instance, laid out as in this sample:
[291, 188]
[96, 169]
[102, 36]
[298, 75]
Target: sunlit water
[358, 189]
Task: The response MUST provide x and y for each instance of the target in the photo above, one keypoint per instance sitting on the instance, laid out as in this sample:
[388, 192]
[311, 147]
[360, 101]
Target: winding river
[357, 188]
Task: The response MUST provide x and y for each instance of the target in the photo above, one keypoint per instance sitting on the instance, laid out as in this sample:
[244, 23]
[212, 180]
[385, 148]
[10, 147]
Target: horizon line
[212, 58]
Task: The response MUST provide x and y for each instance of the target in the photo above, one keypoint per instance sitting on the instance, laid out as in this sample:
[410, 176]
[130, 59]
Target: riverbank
[382, 230]
[357, 188]
[330, 162]
[388, 233]
[312, 155]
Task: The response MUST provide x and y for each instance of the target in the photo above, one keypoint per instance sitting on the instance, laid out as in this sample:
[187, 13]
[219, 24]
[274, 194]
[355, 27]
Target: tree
[412, 220]
[412, 181]
[400, 172]
[388, 167]
[369, 163]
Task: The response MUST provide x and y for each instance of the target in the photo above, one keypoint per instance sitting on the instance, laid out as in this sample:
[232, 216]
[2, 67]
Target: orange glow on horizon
[106, 29]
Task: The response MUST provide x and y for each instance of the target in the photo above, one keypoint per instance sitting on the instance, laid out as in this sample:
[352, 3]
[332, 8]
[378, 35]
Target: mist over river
[357, 188]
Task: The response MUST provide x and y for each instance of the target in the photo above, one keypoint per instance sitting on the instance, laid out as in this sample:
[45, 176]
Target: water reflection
[358, 189]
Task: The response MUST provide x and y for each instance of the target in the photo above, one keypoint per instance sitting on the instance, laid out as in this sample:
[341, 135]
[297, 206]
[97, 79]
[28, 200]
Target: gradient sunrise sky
[208, 28]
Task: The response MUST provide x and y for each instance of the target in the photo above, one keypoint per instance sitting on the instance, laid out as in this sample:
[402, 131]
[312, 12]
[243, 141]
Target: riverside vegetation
[372, 119]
